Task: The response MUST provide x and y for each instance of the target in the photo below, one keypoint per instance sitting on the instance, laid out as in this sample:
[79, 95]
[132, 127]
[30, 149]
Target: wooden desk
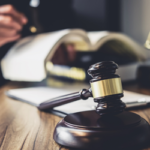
[24, 127]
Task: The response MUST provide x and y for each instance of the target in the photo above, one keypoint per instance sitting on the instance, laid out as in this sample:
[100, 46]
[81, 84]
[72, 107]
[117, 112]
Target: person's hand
[11, 23]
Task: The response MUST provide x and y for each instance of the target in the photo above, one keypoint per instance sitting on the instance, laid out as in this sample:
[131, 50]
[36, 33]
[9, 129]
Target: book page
[26, 59]
[96, 36]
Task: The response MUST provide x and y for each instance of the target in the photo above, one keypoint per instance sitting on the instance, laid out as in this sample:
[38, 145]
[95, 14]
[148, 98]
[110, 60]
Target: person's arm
[11, 23]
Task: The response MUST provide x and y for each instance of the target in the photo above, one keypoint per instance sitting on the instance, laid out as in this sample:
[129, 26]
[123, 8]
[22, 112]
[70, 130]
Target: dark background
[95, 15]
[52, 15]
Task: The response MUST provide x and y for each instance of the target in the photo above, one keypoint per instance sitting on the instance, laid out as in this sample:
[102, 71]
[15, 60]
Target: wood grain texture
[24, 127]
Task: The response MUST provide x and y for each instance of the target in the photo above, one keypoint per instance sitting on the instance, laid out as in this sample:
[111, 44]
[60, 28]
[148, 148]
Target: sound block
[89, 130]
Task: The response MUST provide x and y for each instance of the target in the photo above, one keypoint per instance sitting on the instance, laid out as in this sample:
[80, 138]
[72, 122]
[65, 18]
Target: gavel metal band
[106, 87]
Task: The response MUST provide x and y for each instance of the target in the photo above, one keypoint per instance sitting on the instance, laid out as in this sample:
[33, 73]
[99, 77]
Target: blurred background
[127, 16]
[130, 17]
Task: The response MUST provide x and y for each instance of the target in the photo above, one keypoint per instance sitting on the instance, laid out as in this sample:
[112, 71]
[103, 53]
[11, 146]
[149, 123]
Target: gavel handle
[83, 94]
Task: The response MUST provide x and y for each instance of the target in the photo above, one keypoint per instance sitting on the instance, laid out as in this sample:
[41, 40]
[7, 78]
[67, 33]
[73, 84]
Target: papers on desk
[37, 95]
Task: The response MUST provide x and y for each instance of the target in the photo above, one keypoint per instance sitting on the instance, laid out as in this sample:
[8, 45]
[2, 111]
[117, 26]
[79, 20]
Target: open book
[26, 60]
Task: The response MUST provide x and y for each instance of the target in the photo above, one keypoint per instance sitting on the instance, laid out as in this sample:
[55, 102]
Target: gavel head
[106, 87]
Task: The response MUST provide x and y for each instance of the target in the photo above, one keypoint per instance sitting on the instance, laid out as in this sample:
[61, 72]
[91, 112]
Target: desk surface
[24, 127]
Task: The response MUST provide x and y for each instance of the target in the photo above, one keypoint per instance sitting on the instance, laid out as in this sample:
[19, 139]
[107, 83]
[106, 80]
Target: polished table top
[24, 127]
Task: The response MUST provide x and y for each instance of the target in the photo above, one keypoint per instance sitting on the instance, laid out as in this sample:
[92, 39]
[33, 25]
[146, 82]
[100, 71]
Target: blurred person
[17, 17]
[46, 15]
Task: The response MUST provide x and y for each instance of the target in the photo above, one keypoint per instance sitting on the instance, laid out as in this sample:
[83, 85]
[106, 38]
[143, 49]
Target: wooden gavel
[106, 89]
[109, 126]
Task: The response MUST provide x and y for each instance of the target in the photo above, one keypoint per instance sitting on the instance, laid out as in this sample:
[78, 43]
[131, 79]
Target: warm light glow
[73, 72]
[33, 29]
